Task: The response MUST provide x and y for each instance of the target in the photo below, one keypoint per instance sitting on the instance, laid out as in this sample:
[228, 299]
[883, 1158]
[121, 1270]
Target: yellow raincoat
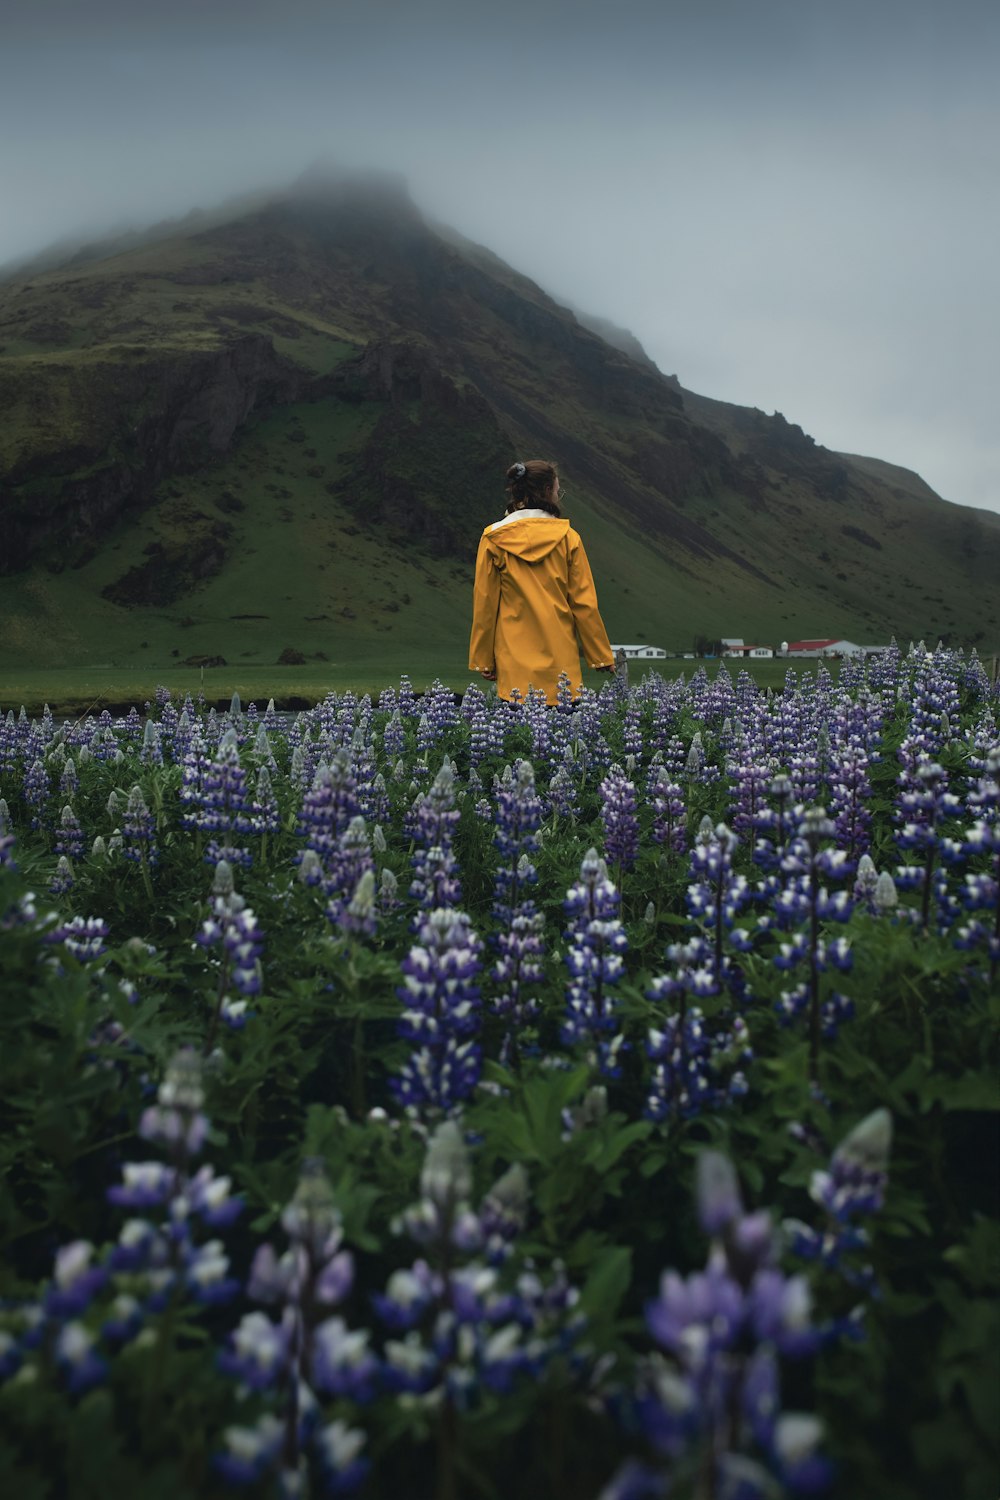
[533, 600]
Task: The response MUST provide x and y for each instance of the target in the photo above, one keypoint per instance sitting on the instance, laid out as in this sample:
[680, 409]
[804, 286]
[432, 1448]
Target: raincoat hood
[529, 537]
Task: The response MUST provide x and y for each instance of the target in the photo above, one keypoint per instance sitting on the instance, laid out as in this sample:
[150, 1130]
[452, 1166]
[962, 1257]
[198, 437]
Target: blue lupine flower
[233, 933]
[441, 1018]
[618, 814]
[849, 1191]
[139, 830]
[804, 902]
[431, 823]
[596, 942]
[305, 1352]
[718, 1392]
[468, 1325]
[69, 838]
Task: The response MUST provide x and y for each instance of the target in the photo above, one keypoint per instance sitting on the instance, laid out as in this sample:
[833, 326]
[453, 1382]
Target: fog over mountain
[791, 205]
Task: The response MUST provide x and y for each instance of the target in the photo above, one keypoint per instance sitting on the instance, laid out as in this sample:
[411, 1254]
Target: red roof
[813, 645]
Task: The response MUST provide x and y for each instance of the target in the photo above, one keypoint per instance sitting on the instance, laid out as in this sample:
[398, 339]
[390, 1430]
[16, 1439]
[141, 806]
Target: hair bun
[518, 470]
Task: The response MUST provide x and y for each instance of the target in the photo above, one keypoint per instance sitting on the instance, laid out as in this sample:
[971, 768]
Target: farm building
[754, 651]
[656, 653]
[829, 648]
[833, 646]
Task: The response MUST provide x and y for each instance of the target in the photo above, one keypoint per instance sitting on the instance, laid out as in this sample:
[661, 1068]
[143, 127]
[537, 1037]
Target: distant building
[742, 650]
[838, 647]
[830, 646]
[645, 653]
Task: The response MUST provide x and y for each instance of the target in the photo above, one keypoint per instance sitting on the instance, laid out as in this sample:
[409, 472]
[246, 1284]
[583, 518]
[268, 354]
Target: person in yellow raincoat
[534, 603]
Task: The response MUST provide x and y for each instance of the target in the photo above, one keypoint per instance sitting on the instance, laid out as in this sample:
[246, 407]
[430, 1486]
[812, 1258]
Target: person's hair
[530, 484]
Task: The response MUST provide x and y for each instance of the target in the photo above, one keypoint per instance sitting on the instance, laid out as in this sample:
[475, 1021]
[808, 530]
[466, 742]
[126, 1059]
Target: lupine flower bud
[869, 1143]
[884, 897]
[717, 1191]
[447, 1173]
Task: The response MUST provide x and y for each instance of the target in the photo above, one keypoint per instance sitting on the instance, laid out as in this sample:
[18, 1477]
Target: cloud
[793, 205]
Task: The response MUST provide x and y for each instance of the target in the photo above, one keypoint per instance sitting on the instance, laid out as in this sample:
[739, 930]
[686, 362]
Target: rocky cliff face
[138, 419]
[434, 456]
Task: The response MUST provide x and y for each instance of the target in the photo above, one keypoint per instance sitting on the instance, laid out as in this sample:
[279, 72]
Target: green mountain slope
[285, 424]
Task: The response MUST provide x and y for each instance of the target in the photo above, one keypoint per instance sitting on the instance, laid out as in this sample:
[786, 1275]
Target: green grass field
[75, 692]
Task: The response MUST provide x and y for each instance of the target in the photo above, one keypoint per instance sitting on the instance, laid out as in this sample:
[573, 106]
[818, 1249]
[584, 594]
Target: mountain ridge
[339, 308]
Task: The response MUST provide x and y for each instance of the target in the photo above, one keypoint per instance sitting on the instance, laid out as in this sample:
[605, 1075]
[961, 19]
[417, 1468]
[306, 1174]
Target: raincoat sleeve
[594, 641]
[485, 608]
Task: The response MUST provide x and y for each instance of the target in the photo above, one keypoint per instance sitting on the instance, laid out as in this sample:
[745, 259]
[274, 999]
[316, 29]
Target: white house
[644, 652]
[739, 649]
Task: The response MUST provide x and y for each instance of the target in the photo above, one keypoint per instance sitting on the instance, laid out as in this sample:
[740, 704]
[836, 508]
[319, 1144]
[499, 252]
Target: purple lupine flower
[328, 807]
[69, 839]
[83, 937]
[139, 831]
[358, 916]
[751, 773]
[151, 753]
[432, 822]
[36, 791]
[305, 1352]
[517, 971]
[618, 814]
[469, 1325]
[934, 704]
[7, 842]
[347, 866]
[865, 881]
[981, 888]
[850, 790]
[851, 1189]
[266, 813]
[803, 902]
[774, 824]
[393, 737]
[666, 796]
[699, 1062]
[596, 942]
[712, 1404]
[388, 887]
[63, 880]
[518, 818]
[475, 710]
[441, 1018]
[69, 782]
[715, 896]
[93, 1304]
[232, 932]
[562, 793]
[564, 694]
[76, 1356]
[924, 804]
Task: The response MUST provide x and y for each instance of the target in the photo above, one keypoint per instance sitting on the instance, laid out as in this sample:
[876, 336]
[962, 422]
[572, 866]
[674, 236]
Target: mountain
[286, 421]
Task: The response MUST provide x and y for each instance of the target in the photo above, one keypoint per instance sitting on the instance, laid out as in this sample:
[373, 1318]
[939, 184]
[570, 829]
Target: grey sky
[793, 203]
